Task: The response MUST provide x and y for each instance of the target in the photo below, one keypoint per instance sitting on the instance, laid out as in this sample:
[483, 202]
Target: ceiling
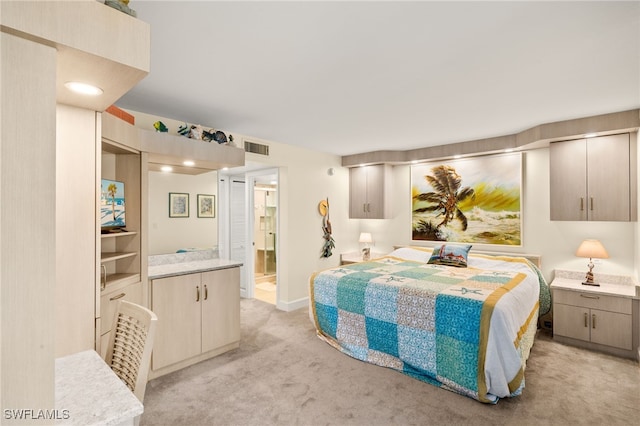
[353, 77]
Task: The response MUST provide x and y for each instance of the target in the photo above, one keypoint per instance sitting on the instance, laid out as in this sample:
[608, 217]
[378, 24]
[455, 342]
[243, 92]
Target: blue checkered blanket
[468, 330]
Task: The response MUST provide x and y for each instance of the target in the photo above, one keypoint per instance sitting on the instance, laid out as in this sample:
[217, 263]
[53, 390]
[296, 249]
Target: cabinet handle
[103, 277]
[589, 296]
[581, 204]
[197, 293]
[593, 321]
[120, 296]
[368, 208]
[206, 292]
[586, 320]
[591, 199]
[364, 207]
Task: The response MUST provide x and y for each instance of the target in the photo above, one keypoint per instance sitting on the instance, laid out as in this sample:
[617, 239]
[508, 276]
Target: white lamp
[366, 239]
[591, 249]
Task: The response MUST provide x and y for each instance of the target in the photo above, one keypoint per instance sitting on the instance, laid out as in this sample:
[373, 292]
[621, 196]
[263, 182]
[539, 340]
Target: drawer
[108, 302]
[593, 301]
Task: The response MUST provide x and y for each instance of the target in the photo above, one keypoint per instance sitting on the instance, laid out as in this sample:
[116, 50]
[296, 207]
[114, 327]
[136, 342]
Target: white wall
[166, 235]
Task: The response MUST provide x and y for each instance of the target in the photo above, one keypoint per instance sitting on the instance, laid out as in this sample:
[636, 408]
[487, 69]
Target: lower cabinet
[198, 318]
[598, 321]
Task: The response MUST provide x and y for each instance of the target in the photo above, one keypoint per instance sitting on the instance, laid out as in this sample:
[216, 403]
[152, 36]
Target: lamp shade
[592, 249]
[365, 237]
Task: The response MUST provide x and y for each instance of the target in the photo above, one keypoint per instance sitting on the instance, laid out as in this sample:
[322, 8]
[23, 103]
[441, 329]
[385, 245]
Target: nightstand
[603, 318]
[355, 257]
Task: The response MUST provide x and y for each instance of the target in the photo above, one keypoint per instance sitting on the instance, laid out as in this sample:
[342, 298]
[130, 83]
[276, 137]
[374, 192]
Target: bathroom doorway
[265, 209]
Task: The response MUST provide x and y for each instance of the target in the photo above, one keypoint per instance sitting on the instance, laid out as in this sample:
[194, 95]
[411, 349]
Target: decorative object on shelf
[122, 6]
[184, 129]
[160, 127]
[195, 132]
[591, 249]
[208, 135]
[206, 205]
[178, 204]
[231, 142]
[366, 239]
[329, 243]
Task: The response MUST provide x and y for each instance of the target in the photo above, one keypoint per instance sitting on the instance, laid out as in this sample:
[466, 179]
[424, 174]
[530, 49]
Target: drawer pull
[589, 296]
[120, 296]
[206, 292]
[591, 204]
[197, 293]
[586, 320]
[593, 321]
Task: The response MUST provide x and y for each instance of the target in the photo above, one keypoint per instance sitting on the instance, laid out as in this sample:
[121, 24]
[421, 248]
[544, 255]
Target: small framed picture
[206, 205]
[178, 204]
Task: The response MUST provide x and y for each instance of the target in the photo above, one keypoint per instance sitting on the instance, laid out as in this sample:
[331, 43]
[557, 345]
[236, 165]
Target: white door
[238, 230]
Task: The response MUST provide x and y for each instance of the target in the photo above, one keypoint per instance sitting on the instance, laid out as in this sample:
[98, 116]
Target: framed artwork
[206, 205]
[178, 204]
[470, 200]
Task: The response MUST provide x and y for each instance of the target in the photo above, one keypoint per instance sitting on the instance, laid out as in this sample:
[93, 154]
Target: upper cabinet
[369, 190]
[594, 179]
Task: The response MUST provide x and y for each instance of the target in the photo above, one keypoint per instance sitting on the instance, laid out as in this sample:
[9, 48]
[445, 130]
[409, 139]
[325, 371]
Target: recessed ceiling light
[166, 168]
[188, 163]
[83, 88]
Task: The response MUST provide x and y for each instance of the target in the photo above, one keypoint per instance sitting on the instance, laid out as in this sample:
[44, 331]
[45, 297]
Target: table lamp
[366, 239]
[591, 249]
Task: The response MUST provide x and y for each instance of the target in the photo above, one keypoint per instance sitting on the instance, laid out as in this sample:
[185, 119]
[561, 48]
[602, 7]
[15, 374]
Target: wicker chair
[130, 345]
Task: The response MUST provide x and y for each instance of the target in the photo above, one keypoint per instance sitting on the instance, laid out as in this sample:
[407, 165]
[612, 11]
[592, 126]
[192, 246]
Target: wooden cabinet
[369, 189]
[198, 317]
[601, 319]
[593, 179]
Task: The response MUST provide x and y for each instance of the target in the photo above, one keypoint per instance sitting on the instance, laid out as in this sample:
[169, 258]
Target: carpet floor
[282, 374]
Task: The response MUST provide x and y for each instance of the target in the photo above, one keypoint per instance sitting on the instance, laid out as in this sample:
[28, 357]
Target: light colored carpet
[282, 374]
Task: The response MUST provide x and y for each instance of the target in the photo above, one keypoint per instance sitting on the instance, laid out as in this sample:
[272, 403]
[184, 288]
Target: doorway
[265, 209]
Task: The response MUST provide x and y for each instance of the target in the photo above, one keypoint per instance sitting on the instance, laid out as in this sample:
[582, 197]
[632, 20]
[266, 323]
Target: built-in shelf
[110, 257]
[118, 234]
[120, 279]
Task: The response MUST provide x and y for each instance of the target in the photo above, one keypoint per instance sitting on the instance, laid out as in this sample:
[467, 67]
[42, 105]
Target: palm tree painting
[475, 200]
[112, 189]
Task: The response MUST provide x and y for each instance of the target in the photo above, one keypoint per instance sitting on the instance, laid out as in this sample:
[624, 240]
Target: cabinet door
[608, 178]
[611, 329]
[358, 192]
[176, 302]
[571, 321]
[375, 192]
[568, 180]
[220, 308]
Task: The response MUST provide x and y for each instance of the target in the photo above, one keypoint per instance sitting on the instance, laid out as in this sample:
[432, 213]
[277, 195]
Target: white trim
[293, 306]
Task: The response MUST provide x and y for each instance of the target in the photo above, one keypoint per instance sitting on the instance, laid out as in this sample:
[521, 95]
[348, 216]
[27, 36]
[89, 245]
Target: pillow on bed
[450, 255]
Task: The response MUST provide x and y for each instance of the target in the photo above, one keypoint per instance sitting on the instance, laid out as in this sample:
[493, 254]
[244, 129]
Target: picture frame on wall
[470, 200]
[178, 204]
[206, 205]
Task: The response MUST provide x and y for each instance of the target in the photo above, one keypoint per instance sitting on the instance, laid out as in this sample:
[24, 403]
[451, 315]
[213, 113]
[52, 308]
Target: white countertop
[88, 392]
[609, 284]
[190, 267]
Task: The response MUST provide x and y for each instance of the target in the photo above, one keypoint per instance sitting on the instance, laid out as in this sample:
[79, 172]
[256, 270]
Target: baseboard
[294, 305]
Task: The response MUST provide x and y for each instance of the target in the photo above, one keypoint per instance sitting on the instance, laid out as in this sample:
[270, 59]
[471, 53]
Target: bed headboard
[536, 259]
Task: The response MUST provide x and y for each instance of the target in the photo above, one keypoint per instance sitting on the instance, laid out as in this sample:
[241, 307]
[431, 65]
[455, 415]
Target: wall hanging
[329, 243]
[472, 200]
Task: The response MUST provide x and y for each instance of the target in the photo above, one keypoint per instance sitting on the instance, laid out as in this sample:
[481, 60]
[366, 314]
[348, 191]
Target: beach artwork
[112, 208]
[471, 200]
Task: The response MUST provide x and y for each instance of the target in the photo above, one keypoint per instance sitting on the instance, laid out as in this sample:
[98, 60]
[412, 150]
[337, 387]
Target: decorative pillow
[450, 255]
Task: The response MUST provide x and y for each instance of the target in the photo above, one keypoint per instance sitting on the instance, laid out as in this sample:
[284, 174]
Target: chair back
[130, 345]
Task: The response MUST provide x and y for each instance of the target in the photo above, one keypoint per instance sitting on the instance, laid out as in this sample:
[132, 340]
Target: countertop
[190, 267]
[88, 392]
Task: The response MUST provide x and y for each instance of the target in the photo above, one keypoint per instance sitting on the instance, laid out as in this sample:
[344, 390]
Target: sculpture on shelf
[208, 135]
[184, 129]
[122, 6]
[160, 127]
[220, 137]
[329, 243]
[196, 132]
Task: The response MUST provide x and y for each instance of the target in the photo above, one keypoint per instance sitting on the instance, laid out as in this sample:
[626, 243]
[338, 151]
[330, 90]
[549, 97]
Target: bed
[465, 322]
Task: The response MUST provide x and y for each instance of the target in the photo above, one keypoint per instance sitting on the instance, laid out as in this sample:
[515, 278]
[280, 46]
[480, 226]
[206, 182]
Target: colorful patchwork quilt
[468, 330]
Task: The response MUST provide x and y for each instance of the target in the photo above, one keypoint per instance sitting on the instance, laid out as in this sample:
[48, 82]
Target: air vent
[256, 148]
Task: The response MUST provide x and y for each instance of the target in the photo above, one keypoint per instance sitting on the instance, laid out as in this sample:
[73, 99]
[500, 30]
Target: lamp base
[593, 284]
